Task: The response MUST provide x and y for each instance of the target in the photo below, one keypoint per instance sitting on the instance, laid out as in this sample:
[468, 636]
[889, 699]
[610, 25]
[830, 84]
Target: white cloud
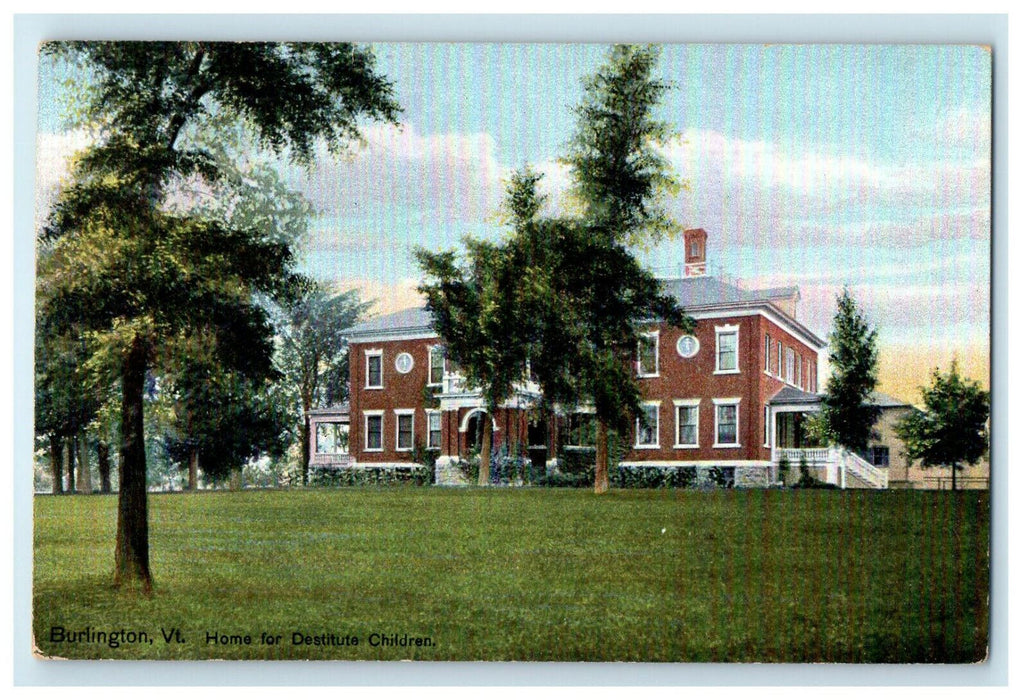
[756, 192]
[388, 296]
[429, 178]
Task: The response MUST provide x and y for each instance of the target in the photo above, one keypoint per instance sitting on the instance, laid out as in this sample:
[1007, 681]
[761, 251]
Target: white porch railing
[879, 478]
[833, 465]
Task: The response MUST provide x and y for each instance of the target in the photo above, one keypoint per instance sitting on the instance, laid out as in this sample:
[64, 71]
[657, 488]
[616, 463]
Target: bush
[559, 480]
[416, 474]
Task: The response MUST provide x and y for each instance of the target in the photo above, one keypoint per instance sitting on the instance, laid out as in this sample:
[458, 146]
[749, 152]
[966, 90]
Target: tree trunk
[103, 465]
[132, 549]
[193, 469]
[236, 479]
[84, 483]
[305, 447]
[954, 476]
[69, 463]
[600, 480]
[55, 463]
[485, 450]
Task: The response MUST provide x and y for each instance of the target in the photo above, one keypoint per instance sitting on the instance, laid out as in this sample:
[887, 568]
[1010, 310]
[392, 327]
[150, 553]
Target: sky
[811, 165]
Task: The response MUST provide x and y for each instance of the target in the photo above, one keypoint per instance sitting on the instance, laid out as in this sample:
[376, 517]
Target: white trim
[429, 412]
[771, 313]
[397, 412]
[778, 370]
[698, 463]
[768, 426]
[428, 376]
[686, 403]
[727, 402]
[382, 431]
[730, 330]
[396, 362]
[656, 335]
[383, 465]
[463, 428]
[368, 354]
[657, 428]
[386, 336]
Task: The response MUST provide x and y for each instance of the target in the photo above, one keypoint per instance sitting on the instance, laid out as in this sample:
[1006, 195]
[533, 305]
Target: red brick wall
[679, 378]
[695, 378]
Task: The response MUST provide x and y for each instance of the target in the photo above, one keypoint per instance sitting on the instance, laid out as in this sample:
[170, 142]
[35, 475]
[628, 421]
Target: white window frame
[768, 353]
[686, 403]
[791, 366]
[431, 349]
[656, 335]
[429, 413]
[397, 414]
[779, 372]
[382, 431]
[726, 402]
[731, 331]
[657, 427]
[368, 355]
[768, 425]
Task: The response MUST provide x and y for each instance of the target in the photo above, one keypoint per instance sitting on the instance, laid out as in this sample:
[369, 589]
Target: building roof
[702, 292]
[340, 409]
[792, 395]
[886, 401]
[414, 319]
[693, 293]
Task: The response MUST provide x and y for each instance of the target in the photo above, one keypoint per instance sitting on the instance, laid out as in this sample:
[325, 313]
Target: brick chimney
[695, 241]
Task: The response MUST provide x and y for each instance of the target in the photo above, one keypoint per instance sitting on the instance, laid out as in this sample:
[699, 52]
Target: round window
[687, 346]
[404, 362]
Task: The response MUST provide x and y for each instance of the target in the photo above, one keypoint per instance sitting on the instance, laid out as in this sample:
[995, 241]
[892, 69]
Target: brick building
[731, 394]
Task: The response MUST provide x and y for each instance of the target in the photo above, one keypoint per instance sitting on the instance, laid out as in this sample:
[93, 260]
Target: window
[727, 422]
[581, 430]
[647, 427]
[814, 376]
[768, 425]
[373, 431]
[404, 363]
[331, 438]
[790, 374]
[728, 340]
[405, 429]
[646, 355]
[778, 372]
[436, 365]
[796, 360]
[687, 346]
[434, 432]
[687, 415]
[694, 249]
[373, 369]
[768, 353]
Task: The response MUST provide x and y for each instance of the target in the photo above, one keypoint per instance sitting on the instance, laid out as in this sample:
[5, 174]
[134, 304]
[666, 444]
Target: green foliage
[415, 475]
[632, 477]
[952, 430]
[129, 264]
[621, 180]
[848, 415]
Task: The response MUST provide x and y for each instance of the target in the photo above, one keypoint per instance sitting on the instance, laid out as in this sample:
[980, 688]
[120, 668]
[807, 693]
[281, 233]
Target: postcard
[513, 352]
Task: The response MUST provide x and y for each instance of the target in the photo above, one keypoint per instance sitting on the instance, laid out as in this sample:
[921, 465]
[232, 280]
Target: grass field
[532, 574]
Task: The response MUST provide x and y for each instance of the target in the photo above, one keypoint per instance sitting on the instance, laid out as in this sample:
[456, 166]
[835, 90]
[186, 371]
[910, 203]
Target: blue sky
[815, 165]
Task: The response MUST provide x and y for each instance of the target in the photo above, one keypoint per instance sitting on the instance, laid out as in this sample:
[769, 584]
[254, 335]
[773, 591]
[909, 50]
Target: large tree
[848, 414]
[471, 303]
[621, 181]
[952, 430]
[313, 354]
[133, 269]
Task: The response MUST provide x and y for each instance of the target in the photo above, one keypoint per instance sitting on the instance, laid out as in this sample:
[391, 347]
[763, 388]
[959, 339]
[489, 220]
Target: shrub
[370, 476]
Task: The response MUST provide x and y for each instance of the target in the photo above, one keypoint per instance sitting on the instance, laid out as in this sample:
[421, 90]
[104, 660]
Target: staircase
[838, 466]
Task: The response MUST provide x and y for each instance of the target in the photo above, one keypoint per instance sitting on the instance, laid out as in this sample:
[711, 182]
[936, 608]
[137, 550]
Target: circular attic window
[688, 346]
[404, 362]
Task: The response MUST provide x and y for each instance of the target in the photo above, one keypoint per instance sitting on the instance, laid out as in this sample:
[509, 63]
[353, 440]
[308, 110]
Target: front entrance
[789, 431]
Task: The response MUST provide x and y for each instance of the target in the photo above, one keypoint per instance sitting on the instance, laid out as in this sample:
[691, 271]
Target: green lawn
[533, 574]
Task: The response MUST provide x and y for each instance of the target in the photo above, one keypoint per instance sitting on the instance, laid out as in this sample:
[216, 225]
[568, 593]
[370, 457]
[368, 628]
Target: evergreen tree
[848, 415]
[952, 430]
[132, 270]
[621, 182]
